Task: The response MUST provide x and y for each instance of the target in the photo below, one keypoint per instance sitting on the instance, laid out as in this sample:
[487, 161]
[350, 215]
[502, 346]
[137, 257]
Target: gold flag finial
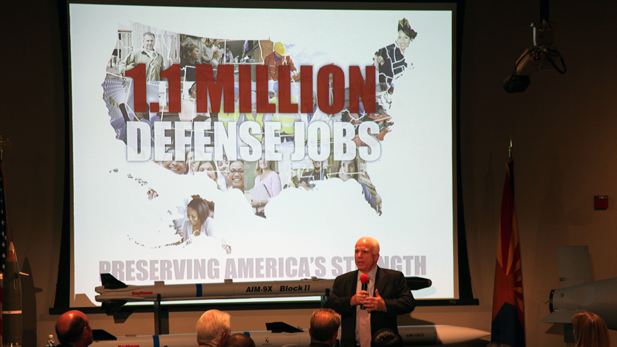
[4, 143]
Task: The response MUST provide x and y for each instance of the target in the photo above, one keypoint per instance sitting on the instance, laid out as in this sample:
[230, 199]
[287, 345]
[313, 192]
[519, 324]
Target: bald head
[73, 327]
[371, 242]
[366, 254]
[239, 340]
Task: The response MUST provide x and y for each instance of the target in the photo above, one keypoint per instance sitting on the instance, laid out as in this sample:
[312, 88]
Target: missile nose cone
[417, 283]
[11, 255]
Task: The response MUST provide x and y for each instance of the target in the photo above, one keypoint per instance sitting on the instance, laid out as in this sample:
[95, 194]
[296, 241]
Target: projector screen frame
[462, 276]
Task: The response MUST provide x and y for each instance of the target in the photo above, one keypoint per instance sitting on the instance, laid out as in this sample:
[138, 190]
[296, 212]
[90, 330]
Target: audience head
[590, 330]
[239, 340]
[324, 326]
[213, 328]
[73, 328]
[386, 338]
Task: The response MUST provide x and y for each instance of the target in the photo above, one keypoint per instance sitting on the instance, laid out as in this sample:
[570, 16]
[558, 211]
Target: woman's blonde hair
[590, 330]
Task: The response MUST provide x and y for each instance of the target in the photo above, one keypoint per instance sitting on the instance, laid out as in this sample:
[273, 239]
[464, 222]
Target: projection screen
[260, 144]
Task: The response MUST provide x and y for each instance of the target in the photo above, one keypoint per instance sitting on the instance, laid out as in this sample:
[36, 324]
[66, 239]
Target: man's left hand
[375, 303]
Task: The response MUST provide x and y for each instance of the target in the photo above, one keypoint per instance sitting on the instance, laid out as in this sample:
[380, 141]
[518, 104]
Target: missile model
[597, 297]
[114, 293]
[11, 305]
[578, 292]
[421, 335]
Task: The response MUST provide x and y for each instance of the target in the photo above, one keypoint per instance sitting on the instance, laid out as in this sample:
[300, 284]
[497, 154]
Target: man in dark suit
[323, 327]
[365, 311]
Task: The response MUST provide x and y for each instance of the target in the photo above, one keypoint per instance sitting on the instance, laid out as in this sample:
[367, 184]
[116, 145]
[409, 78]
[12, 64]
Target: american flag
[4, 228]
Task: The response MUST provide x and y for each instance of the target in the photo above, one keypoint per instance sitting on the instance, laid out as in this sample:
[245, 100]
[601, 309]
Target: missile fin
[102, 335]
[110, 282]
[281, 327]
[561, 317]
[112, 307]
[574, 266]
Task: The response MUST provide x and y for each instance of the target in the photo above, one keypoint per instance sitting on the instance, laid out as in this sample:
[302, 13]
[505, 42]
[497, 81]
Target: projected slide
[260, 144]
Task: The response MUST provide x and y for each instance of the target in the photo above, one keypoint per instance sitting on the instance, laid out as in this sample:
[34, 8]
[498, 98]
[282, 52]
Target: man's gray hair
[211, 326]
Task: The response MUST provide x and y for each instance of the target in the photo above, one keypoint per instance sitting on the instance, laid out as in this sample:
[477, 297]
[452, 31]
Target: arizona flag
[508, 308]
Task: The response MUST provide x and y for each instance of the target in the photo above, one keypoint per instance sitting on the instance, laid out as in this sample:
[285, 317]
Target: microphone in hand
[364, 279]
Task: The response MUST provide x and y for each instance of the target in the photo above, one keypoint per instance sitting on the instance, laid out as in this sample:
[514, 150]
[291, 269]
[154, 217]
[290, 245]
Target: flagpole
[508, 323]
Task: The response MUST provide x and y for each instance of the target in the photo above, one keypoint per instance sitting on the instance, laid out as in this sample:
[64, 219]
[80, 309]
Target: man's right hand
[358, 298]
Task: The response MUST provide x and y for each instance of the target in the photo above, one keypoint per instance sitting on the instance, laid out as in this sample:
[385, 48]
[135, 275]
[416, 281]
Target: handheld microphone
[364, 279]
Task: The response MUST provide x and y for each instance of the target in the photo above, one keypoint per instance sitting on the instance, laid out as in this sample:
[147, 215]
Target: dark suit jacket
[392, 288]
